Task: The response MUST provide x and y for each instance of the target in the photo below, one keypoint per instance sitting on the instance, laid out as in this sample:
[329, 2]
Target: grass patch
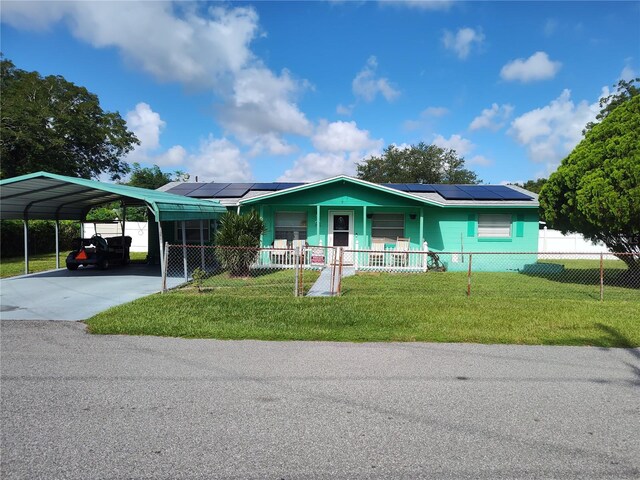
[385, 307]
[13, 266]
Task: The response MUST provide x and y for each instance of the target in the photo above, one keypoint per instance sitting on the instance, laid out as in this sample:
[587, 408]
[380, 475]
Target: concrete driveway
[81, 406]
[65, 295]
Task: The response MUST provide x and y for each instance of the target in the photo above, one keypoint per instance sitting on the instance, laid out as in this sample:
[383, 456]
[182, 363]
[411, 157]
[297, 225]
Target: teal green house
[452, 220]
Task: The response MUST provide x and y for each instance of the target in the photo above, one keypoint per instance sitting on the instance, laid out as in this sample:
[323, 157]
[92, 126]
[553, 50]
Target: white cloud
[216, 158]
[263, 104]
[493, 118]
[197, 47]
[628, 73]
[536, 67]
[462, 41]
[461, 145]
[426, 117]
[435, 112]
[367, 85]
[146, 125]
[219, 160]
[272, 144]
[315, 166]
[343, 137]
[344, 110]
[172, 42]
[480, 160]
[340, 146]
[173, 157]
[550, 133]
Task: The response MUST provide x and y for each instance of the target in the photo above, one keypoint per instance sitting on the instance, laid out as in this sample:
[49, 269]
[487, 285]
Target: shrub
[242, 232]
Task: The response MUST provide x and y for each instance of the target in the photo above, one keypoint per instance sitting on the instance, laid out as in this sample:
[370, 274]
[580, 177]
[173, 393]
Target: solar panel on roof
[283, 186]
[451, 192]
[420, 187]
[269, 187]
[480, 192]
[234, 190]
[185, 188]
[508, 193]
[207, 190]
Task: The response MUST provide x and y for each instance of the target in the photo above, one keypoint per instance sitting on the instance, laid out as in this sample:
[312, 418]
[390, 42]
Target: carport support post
[162, 246]
[26, 246]
[184, 250]
[57, 243]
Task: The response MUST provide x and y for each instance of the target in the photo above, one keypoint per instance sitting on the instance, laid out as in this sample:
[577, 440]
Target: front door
[341, 229]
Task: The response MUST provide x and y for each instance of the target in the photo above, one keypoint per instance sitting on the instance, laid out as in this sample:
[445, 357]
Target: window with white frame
[192, 230]
[387, 227]
[494, 225]
[291, 226]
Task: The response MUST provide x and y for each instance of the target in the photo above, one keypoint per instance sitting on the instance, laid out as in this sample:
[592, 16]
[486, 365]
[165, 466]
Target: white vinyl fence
[138, 231]
[554, 241]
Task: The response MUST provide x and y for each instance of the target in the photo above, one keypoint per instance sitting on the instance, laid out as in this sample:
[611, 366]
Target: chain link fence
[317, 271]
[541, 276]
[302, 271]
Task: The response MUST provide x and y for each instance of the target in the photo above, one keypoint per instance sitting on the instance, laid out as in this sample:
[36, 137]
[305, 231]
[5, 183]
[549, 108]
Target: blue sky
[299, 91]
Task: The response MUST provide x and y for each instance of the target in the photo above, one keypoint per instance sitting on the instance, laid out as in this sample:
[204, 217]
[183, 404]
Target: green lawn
[429, 307]
[10, 267]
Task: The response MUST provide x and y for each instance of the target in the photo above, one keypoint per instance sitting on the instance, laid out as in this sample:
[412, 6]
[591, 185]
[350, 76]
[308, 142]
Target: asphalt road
[81, 406]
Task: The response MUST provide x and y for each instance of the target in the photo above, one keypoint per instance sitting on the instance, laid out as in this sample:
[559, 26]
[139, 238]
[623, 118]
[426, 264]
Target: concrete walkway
[322, 286]
[65, 295]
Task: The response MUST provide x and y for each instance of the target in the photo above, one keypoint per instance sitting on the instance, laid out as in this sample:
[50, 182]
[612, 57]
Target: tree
[533, 185]
[419, 163]
[153, 178]
[48, 123]
[596, 189]
[625, 90]
[238, 239]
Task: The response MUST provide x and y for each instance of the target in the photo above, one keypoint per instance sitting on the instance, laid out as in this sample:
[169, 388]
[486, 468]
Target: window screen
[192, 228]
[291, 226]
[387, 227]
[496, 225]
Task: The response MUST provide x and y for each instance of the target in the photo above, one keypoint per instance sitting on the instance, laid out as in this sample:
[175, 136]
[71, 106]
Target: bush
[42, 237]
[238, 237]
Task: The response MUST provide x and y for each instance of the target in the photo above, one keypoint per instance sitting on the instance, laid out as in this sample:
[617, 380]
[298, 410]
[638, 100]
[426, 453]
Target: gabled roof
[437, 195]
[339, 178]
[48, 196]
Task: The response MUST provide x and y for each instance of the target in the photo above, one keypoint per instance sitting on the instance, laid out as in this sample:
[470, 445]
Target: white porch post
[364, 227]
[421, 224]
[26, 246]
[318, 239]
[425, 249]
[57, 243]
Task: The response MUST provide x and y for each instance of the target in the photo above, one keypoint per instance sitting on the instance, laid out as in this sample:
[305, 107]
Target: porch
[387, 259]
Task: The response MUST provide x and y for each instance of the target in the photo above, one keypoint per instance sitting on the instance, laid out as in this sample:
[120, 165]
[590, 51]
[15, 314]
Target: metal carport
[48, 196]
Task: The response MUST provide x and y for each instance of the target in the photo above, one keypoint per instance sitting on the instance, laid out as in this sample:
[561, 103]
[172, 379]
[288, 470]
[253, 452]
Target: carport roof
[47, 196]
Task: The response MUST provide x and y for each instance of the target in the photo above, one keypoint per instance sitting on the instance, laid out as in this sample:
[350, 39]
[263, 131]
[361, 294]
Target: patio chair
[376, 257]
[280, 252]
[400, 254]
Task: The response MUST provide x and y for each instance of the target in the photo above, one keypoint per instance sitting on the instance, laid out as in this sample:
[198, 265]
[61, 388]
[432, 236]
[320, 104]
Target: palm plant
[238, 237]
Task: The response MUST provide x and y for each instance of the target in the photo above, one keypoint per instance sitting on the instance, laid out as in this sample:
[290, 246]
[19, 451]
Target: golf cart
[99, 251]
